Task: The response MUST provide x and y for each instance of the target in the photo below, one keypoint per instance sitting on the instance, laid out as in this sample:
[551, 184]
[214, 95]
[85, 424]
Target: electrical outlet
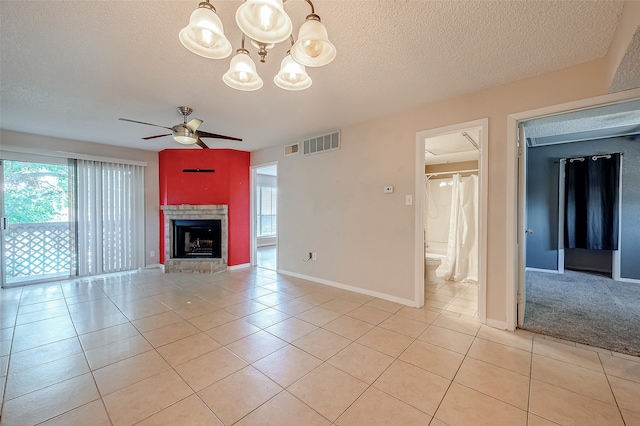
[152, 253]
[314, 256]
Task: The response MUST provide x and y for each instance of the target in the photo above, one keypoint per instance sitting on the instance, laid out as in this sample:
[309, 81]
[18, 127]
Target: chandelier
[265, 23]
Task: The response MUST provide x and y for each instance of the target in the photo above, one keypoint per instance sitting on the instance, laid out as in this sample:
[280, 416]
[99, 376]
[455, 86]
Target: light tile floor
[251, 347]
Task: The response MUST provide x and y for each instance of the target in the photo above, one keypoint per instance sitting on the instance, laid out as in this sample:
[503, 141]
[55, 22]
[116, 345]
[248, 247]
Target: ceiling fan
[185, 133]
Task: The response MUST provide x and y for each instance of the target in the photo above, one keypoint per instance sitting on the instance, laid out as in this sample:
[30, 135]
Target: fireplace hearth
[196, 238]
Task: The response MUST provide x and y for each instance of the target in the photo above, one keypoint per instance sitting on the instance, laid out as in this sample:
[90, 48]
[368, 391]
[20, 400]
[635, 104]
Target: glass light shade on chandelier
[242, 74]
[184, 135]
[313, 48]
[264, 20]
[266, 23]
[204, 35]
[292, 75]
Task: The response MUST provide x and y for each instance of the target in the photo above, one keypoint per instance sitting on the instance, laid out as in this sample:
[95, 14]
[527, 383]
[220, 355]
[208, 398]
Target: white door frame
[512, 269]
[254, 213]
[561, 208]
[483, 126]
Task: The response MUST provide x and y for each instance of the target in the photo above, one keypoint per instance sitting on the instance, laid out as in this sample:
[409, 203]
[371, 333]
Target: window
[266, 205]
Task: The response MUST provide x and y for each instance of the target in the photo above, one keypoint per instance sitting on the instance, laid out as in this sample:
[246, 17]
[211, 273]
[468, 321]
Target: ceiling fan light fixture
[264, 20]
[313, 48]
[292, 75]
[242, 74]
[204, 35]
[182, 134]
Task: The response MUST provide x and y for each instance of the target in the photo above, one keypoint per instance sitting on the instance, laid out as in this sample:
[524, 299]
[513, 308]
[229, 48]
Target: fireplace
[196, 238]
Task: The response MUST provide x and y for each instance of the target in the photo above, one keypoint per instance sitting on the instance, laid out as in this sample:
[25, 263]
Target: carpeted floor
[584, 308]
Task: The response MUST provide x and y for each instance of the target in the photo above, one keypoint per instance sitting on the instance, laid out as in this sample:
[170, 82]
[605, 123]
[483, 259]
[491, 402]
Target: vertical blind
[110, 217]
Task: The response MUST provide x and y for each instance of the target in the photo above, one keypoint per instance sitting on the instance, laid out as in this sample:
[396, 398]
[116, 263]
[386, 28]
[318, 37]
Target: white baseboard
[547, 271]
[629, 280]
[502, 325]
[240, 266]
[155, 266]
[342, 286]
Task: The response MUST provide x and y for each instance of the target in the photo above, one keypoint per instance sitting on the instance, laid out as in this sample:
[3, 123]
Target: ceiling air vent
[292, 149]
[323, 143]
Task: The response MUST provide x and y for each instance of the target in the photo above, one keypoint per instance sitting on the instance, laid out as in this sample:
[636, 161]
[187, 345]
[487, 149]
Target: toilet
[430, 266]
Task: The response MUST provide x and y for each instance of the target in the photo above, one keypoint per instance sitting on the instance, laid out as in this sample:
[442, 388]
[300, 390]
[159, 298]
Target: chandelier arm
[207, 5]
[313, 11]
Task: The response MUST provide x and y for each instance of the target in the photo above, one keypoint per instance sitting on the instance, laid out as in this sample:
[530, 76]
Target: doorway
[447, 158]
[586, 131]
[38, 230]
[265, 216]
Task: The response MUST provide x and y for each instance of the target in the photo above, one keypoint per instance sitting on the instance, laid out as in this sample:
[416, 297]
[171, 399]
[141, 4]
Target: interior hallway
[267, 257]
[251, 347]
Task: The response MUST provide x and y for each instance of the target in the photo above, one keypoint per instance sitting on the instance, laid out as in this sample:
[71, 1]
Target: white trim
[74, 155]
[511, 271]
[154, 266]
[483, 171]
[498, 324]
[253, 243]
[561, 207]
[617, 254]
[254, 214]
[629, 280]
[240, 266]
[360, 290]
[419, 237]
[546, 271]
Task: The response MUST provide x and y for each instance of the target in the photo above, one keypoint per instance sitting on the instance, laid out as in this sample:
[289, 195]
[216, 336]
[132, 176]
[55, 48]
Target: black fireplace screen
[197, 238]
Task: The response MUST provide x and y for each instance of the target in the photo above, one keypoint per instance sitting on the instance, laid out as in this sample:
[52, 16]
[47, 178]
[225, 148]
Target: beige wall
[37, 142]
[333, 203]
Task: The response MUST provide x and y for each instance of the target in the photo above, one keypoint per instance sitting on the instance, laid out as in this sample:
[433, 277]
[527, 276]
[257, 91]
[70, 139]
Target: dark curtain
[591, 203]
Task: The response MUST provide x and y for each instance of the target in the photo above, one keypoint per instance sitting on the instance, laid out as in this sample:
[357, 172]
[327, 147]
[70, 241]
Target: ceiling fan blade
[213, 135]
[202, 144]
[142, 122]
[156, 136]
[193, 124]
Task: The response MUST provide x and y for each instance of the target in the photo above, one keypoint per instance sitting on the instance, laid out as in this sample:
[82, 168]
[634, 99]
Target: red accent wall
[229, 184]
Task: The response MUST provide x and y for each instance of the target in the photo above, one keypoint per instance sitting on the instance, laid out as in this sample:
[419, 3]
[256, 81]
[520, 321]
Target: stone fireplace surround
[195, 212]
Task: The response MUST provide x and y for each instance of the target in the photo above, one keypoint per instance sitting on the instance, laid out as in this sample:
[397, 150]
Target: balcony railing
[38, 250]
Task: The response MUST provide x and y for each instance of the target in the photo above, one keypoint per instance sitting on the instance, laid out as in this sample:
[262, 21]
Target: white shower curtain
[461, 263]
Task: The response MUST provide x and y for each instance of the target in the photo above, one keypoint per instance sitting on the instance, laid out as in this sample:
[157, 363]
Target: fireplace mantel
[195, 212]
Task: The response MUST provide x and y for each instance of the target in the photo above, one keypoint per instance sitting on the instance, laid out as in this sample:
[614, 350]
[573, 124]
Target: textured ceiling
[69, 69]
[621, 119]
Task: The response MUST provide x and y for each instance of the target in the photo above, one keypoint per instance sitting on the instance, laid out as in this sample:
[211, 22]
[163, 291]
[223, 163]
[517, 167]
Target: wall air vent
[292, 149]
[323, 143]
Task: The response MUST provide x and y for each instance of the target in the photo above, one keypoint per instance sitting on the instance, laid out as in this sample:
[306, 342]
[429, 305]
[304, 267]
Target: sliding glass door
[38, 229]
[64, 217]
